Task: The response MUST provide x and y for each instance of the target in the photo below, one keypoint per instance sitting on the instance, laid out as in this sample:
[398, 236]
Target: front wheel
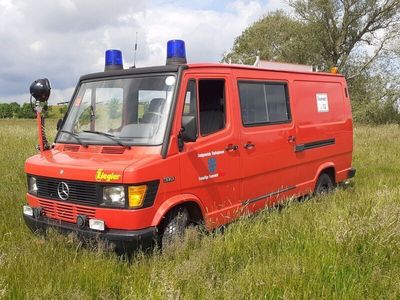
[324, 184]
[175, 227]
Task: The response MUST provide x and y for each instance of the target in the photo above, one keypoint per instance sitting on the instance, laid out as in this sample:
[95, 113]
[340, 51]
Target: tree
[344, 28]
[114, 108]
[5, 111]
[14, 107]
[56, 111]
[325, 33]
[63, 109]
[360, 37]
[276, 37]
[26, 112]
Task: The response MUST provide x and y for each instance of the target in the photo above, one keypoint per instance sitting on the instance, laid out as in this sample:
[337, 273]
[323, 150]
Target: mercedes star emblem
[63, 190]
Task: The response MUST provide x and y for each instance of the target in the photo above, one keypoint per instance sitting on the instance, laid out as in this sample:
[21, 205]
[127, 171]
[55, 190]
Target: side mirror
[59, 123]
[189, 129]
[40, 89]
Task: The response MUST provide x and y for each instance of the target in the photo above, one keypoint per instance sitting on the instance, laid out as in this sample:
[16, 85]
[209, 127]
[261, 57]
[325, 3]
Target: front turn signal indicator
[136, 195]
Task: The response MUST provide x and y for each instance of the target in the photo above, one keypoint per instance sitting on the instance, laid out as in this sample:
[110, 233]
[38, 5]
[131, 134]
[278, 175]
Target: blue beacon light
[113, 60]
[176, 53]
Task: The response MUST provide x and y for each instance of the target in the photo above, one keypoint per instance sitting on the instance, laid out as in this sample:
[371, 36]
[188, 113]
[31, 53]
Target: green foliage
[343, 27]
[14, 110]
[341, 246]
[57, 111]
[85, 116]
[276, 37]
[9, 110]
[63, 109]
[375, 97]
[328, 33]
[5, 111]
[114, 108]
[26, 112]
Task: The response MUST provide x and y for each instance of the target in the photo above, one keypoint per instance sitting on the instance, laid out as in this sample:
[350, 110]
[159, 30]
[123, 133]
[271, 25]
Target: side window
[263, 103]
[212, 105]
[85, 111]
[108, 108]
[190, 108]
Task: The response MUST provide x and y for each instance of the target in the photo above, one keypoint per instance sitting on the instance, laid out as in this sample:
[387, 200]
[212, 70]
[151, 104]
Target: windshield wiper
[110, 136]
[75, 136]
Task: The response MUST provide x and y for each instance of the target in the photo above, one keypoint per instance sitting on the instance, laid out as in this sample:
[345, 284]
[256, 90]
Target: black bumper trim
[315, 144]
[121, 239]
[351, 173]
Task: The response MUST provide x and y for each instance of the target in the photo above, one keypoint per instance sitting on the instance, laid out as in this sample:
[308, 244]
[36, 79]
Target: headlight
[114, 196]
[32, 185]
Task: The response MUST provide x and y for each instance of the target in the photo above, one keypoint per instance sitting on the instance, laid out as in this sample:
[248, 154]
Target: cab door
[268, 160]
[210, 165]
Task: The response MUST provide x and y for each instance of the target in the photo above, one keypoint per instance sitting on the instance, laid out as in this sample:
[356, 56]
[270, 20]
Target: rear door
[268, 160]
[324, 134]
[210, 165]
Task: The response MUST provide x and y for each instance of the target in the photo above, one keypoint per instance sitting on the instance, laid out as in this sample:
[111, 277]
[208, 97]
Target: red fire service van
[143, 152]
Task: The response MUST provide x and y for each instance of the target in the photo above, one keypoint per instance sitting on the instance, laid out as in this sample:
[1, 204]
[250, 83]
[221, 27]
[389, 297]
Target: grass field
[343, 246]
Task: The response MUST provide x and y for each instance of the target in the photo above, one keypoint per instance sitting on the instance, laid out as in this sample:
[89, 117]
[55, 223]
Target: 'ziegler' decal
[102, 176]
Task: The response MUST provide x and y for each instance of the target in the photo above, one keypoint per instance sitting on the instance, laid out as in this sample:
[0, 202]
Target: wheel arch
[328, 168]
[192, 203]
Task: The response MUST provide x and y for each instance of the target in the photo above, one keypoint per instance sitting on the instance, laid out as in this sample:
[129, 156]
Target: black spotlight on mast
[40, 91]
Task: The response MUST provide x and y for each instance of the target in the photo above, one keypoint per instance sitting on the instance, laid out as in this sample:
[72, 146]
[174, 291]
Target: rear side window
[263, 103]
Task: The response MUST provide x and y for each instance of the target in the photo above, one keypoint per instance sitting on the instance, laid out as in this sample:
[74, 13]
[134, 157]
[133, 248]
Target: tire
[176, 224]
[324, 184]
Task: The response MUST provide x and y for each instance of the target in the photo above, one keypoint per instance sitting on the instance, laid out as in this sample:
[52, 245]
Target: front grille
[84, 193]
[65, 211]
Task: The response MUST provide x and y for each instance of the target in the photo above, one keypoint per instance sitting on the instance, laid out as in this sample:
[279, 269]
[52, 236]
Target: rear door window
[263, 103]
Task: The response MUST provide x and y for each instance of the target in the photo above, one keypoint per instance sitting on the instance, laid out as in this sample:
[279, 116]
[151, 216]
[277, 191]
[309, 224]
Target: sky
[64, 39]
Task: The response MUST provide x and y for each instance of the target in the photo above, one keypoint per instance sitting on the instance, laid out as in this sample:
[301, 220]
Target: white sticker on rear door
[322, 103]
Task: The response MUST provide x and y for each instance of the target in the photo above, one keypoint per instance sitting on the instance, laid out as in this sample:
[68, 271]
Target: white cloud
[64, 39]
[36, 46]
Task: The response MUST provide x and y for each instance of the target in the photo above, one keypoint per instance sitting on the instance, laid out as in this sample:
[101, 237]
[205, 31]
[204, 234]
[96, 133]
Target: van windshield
[128, 111]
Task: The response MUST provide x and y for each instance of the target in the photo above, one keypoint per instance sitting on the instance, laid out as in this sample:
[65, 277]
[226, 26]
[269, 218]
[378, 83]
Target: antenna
[134, 55]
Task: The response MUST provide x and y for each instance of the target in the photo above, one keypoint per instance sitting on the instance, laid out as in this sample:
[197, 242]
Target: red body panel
[247, 179]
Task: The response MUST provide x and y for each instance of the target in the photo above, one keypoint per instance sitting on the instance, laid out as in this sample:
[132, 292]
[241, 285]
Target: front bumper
[351, 173]
[121, 239]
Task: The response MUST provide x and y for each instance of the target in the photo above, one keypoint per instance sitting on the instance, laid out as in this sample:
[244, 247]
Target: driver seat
[153, 115]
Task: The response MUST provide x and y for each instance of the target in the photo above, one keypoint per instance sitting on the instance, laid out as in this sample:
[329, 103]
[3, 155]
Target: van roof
[248, 67]
[175, 68]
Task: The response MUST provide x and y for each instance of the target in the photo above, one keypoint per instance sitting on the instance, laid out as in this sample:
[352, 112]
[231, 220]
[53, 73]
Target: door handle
[291, 139]
[249, 145]
[231, 147]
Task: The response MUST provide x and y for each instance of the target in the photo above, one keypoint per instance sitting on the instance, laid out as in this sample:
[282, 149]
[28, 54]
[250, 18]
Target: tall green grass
[344, 245]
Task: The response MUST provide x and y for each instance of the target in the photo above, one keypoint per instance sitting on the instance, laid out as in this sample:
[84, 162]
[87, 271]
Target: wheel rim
[324, 189]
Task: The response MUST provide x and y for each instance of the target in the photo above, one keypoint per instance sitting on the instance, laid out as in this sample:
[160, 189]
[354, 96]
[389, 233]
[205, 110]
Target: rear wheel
[176, 224]
[324, 184]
